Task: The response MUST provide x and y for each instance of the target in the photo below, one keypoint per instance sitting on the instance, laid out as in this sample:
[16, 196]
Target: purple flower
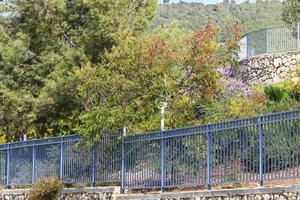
[225, 71]
[234, 87]
[189, 71]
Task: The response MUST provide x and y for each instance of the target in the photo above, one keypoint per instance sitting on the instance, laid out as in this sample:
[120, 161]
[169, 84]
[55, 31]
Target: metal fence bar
[61, 168]
[123, 170]
[208, 158]
[162, 168]
[7, 165]
[247, 46]
[267, 40]
[93, 165]
[33, 163]
[298, 36]
[260, 128]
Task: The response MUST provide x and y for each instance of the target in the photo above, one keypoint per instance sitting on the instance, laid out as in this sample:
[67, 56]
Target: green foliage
[191, 16]
[145, 71]
[291, 11]
[276, 93]
[222, 109]
[46, 189]
[43, 44]
[262, 99]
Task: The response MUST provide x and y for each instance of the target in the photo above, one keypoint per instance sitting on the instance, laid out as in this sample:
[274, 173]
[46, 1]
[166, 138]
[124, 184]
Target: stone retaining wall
[103, 193]
[111, 193]
[274, 193]
[268, 68]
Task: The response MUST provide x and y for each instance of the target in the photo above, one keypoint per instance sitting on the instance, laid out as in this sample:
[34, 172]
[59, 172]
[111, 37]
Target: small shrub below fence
[46, 189]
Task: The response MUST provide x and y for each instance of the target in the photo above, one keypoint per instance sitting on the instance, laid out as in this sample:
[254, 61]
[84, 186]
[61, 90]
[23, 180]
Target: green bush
[293, 88]
[46, 189]
[276, 93]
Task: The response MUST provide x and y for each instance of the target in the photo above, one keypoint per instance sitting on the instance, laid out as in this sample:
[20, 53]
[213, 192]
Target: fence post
[33, 162]
[298, 36]
[7, 165]
[93, 164]
[208, 157]
[123, 161]
[261, 150]
[61, 158]
[162, 162]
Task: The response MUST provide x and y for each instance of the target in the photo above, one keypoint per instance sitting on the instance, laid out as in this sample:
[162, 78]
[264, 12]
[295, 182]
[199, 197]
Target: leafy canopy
[291, 11]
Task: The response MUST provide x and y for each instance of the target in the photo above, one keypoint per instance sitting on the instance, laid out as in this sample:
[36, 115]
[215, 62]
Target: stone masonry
[268, 68]
[273, 193]
[101, 193]
[111, 193]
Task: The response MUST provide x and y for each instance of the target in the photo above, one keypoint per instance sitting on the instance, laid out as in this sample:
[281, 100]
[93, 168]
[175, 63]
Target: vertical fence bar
[247, 46]
[33, 162]
[61, 159]
[267, 40]
[162, 162]
[123, 161]
[298, 36]
[93, 164]
[260, 128]
[208, 158]
[7, 165]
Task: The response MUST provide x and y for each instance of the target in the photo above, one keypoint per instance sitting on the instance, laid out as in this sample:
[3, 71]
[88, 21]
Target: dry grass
[46, 189]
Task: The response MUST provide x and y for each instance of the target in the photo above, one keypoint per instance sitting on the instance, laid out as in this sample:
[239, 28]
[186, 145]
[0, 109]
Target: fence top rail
[184, 131]
[41, 141]
[294, 111]
[51, 140]
[215, 127]
[269, 28]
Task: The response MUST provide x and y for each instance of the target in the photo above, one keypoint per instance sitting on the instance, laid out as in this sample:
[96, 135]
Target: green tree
[127, 91]
[145, 71]
[191, 16]
[291, 11]
[88, 66]
[43, 43]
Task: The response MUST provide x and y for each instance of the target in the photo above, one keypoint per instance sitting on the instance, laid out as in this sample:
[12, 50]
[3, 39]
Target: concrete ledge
[214, 193]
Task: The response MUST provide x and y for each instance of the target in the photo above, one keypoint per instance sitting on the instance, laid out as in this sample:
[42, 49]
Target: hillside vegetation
[252, 16]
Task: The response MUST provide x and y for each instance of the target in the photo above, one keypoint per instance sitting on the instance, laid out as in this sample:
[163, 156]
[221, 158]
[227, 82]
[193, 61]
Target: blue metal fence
[69, 158]
[245, 150]
[253, 149]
